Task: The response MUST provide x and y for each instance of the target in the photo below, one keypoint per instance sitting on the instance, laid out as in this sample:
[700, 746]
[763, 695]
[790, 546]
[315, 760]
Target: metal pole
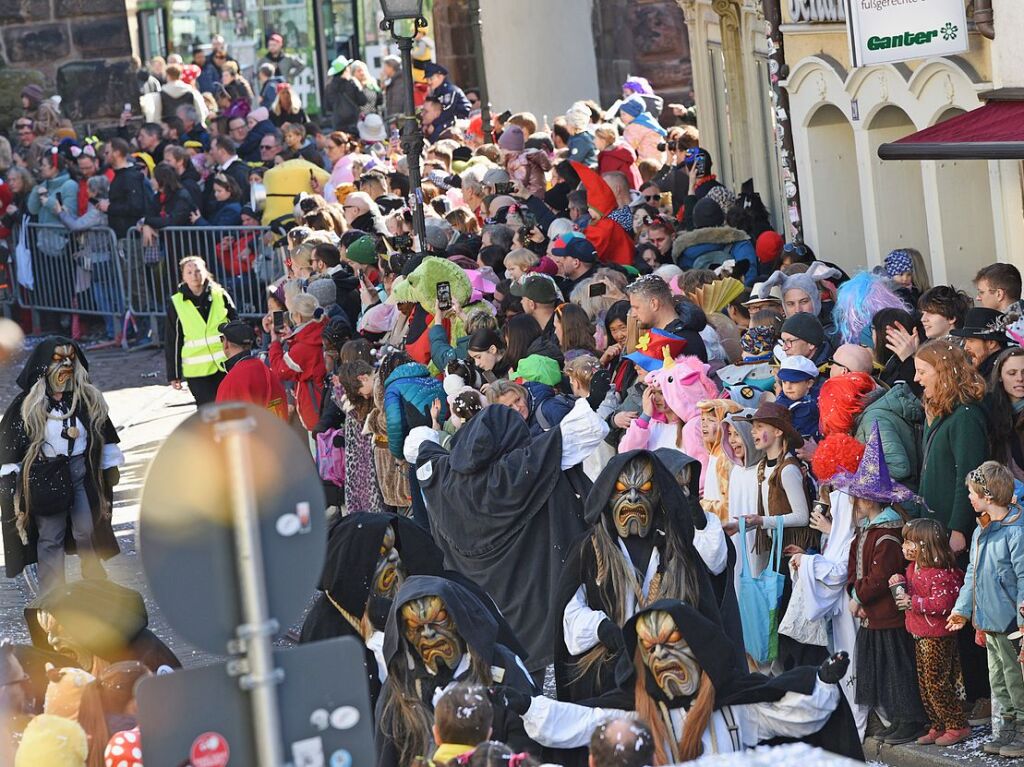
[262, 679]
[412, 141]
[476, 24]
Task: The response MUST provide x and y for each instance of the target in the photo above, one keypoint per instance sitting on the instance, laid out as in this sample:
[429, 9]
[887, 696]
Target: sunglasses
[651, 196]
[837, 364]
[268, 146]
[797, 248]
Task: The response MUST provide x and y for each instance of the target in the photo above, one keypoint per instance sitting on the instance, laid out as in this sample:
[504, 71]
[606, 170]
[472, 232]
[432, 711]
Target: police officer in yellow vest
[196, 310]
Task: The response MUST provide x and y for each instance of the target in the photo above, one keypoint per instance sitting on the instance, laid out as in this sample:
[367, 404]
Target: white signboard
[883, 31]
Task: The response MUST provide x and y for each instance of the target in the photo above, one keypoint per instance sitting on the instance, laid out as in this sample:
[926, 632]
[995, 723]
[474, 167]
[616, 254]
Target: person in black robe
[678, 675]
[439, 634]
[89, 624]
[369, 556]
[58, 466]
[505, 513]
[650, 539]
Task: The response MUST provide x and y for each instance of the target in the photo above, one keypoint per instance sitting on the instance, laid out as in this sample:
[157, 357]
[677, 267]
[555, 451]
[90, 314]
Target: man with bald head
[851, 358]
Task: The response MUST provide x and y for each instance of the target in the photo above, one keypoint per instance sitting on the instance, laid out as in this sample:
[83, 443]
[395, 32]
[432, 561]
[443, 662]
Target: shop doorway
[898, 188]
[965, 216]
[838, 216]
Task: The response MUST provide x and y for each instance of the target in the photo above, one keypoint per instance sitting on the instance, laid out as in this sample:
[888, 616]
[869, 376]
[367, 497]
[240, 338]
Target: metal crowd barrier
[70, 272]
[239, 258]
[93, 273]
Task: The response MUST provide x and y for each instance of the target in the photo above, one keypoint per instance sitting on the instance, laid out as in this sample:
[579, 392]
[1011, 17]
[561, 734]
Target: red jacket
[933, 592]
[249, 380]
[303, 363]
[875, 556]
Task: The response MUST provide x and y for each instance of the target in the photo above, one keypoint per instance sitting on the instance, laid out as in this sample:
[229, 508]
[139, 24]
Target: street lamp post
[410, 11]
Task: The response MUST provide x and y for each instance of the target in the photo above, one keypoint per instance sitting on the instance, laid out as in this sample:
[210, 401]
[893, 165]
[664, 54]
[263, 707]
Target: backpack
[713, 258]
[330, 456]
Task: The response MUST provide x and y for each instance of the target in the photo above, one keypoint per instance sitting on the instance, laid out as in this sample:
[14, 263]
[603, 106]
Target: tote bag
[759, 599]
[330, 457]
[795, 623]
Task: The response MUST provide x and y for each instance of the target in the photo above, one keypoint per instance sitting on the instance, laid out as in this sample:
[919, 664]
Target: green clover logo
[950, 31]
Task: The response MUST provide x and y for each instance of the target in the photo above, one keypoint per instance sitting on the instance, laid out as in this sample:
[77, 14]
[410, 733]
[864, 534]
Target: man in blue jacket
[711, 243]
[454, 104]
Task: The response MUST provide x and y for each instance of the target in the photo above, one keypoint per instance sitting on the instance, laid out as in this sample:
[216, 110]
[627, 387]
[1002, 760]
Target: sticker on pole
[209, 750]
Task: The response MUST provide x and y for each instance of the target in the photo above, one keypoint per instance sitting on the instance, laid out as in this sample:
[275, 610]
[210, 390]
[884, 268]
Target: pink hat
[512, 139]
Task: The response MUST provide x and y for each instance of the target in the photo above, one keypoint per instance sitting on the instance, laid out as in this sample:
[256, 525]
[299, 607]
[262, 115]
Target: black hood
[715, 653]
[100, 615]
[474, 621]
[492, 433]
[37, 363]
[353, 548]
[681, 511]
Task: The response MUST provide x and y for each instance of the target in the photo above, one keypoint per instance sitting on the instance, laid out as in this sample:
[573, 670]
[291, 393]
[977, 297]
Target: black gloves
[834, 669]
[610, 635]
[516, 701]
[599, 386]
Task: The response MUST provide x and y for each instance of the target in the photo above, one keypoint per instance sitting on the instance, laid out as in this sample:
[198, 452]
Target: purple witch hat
[872, 481]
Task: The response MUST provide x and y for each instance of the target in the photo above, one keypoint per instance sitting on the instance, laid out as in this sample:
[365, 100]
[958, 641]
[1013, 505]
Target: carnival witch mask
[60, 372]
[666, 655]
[431, 630]
[635, 500]
[390, 573]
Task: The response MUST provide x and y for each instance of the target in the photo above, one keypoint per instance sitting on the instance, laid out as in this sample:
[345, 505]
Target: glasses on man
[837, 364]
[788, 342]
[268, 147]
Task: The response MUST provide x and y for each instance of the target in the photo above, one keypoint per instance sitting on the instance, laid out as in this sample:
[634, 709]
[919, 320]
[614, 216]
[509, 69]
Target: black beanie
[806, 327]
[707, 213]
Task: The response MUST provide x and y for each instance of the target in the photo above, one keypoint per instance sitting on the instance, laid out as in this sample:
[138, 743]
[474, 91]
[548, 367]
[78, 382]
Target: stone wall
[77, 48]
[646, 38]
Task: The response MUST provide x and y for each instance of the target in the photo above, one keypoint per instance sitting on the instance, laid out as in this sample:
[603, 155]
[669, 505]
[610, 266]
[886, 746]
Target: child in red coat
[933, 583]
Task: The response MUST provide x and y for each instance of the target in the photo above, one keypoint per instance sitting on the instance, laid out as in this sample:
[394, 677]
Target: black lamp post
[411, 12]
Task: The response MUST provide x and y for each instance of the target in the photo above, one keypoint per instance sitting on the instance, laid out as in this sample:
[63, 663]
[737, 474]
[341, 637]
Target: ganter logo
[880, 43]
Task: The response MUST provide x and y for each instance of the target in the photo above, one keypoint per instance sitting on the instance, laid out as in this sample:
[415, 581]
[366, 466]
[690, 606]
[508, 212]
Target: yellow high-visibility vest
[201, 351]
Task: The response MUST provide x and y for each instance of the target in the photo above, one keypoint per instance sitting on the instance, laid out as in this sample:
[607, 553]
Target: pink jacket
[644, 142]
[933, 592]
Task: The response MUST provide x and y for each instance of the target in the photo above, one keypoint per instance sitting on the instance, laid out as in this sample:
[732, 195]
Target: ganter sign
[883, 31]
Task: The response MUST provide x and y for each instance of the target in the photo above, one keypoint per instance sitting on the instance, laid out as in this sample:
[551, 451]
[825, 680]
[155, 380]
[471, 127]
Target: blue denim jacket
[994, 586]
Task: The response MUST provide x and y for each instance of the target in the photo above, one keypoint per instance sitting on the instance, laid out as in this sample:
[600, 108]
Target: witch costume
[885, 664]
[653, 537]
[58, 464]
[694, 699]
[439, 634]
[505, 508]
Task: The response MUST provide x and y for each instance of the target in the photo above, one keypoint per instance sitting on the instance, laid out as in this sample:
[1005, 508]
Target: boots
[1015, 748]
[1007, 734]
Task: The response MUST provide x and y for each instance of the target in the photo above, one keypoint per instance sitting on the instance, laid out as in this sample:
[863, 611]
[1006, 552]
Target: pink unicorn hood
[684, 382]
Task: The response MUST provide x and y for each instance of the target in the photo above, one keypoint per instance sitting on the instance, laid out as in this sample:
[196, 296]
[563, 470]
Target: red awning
[991, 132]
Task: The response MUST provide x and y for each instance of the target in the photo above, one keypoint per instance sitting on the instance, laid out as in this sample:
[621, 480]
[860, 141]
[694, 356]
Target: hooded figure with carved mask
[439, 634]
[58, 465]
[369, 556]
[650, 539]
[678, 676]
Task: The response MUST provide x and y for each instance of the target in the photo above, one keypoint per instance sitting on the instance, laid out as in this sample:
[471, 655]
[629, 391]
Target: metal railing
[92, 272]
[239, 258]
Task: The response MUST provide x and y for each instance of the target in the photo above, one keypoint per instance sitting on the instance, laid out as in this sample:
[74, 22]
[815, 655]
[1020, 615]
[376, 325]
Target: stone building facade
[79, 49]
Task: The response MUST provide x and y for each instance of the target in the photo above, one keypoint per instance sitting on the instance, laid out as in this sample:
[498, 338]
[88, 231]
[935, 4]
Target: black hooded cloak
[505, 515]
[107, 619]
[481, 633]
[681, 514]
[353, 550]
[715, 653]
[14, 443]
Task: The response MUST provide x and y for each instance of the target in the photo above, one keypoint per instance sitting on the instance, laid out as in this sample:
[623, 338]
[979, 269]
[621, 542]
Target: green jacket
[900, 418]
[953, 446]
